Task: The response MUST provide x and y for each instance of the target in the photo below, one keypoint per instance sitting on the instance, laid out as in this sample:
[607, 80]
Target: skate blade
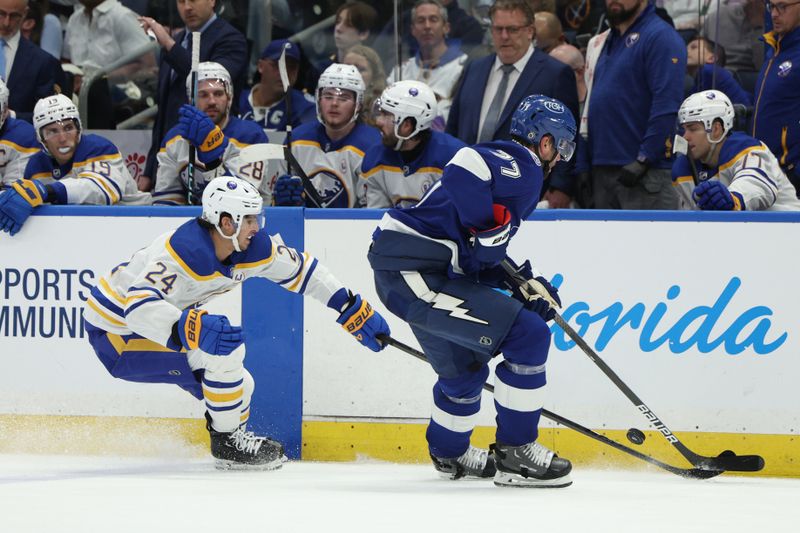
[506, 479]
[221, 464]
[451, 477]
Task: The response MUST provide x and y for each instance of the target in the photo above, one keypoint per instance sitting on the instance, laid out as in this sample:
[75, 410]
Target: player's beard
[615, 18]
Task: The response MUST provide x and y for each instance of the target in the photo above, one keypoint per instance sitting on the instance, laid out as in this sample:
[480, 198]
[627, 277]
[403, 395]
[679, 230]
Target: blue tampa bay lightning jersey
[501, 172]
[273, 118]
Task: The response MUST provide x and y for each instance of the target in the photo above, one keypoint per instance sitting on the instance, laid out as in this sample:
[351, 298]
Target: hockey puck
[635, 436]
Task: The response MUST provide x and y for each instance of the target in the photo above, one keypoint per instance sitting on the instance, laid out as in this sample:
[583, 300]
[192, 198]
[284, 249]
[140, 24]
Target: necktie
[3, 59]
[493, 115]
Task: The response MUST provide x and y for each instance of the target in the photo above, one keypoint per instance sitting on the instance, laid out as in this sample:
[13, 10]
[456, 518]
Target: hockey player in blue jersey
[145, 323]
[17, 142]
[73, 168]
[218, 137]
[330, 149]
[437, 265]
[412, 156]
[265, 102]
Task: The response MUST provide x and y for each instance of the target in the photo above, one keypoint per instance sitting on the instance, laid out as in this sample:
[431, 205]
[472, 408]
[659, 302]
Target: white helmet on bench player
[408, 99]
[345, 78]
[706, 107]
[56, 108]
[234, 196]
[209, 70]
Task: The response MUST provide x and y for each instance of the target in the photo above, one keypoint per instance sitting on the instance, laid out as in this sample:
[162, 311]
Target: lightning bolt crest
[445, 302]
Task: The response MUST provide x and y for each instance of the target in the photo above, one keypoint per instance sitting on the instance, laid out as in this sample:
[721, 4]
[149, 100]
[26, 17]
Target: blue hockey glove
[489, 246]
[199, 130]
[631, 174]
[211, 333]
[715, 196]
[364, 323]
[17, 203]
[288, 190]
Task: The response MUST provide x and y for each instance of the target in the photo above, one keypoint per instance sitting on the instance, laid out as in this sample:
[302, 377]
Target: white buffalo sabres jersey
[17, 144]
[172, 183]
[748, 169]
[389, 181]
[180, 269]
[96, 175]
[334, 167]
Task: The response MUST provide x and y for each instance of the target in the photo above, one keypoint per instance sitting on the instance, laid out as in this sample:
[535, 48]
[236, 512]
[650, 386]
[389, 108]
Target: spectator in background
[43, 28]
[355, 21]
[492, 87]
[412, 157]
[98, 33]
[436, 64]
[776, 118]
[331, 149]
[705, 63]
[73, 168]
[265, 103]
[635, 95]
[209, 119]
[549, 32]
[572, 57]
[741, 25]
[729, 171]
[370, 66]
[220, 42]
[687, 16]
[30, 72]
[17, 143]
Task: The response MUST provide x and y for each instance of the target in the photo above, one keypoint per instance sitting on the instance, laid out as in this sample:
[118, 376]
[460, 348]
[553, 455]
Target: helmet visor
[565, 149]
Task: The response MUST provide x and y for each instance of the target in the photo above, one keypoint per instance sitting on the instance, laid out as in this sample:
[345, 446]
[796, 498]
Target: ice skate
[530, 465]
[243, 450]
[474, 463]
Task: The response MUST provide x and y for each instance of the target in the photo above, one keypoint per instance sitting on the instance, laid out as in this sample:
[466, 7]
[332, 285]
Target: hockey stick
[681, 146]
[692, 473]
[726, 460]
[192, 149]
[291, 161]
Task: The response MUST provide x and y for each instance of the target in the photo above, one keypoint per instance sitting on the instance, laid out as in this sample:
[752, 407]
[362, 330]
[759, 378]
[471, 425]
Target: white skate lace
[538, 454]
[246, 441]
[474, 458]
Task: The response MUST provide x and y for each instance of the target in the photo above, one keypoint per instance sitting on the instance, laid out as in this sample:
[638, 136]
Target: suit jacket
[35, 74]
[541, 75]
[220, 42]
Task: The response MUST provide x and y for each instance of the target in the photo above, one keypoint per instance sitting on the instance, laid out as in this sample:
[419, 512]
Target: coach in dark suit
[492, 87]
[219, 42]
[30, 72]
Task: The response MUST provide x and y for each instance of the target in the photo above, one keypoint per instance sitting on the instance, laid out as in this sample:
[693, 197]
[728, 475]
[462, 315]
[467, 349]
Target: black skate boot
[474, 463]
[243, 450]
[530, 465]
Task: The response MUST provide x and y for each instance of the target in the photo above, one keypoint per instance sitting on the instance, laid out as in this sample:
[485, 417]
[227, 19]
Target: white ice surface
[114, 495]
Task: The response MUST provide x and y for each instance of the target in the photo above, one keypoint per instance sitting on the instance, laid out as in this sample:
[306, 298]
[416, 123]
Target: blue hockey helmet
[539, 115]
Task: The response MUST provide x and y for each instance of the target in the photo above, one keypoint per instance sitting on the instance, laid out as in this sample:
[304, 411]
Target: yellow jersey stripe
[104, 314]
[222, 397]
[300, 275]
[186, 268]
[738, 156]
[98, 158]
[108, 291]
[19, 148]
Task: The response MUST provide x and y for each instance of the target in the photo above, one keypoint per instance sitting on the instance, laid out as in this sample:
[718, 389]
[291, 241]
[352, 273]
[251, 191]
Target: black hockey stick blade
[690, 473]
[732, 462]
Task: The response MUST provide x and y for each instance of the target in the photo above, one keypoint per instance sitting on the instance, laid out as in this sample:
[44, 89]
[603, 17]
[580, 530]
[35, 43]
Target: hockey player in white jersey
[17, 142]
[412, 157]
[145, 325]
[218, 137]
[734, 172]
[73, 168]
[330, 150]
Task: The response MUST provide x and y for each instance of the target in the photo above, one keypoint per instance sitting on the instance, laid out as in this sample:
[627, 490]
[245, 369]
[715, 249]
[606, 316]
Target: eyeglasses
[49, 132]
[12, 16]
[780, 8]
[511, 30]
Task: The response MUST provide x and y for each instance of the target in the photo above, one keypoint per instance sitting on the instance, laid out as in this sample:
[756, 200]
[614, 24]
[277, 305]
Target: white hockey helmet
[4, 94]
[237, 198]
[209, 70]
[56, 108]
[409, 99]
[706, 107]
[345, 78]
